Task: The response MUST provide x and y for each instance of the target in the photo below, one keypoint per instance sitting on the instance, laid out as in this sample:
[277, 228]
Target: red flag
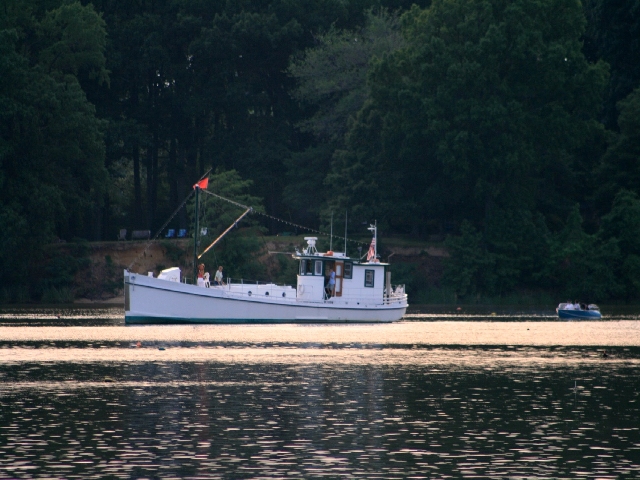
[203, 184]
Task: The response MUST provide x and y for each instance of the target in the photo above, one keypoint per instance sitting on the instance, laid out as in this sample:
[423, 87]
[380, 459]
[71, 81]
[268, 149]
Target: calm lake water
[479, 393]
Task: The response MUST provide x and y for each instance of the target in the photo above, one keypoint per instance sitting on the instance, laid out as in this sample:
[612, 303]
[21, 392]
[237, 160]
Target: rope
[225, 199]
[310, 229]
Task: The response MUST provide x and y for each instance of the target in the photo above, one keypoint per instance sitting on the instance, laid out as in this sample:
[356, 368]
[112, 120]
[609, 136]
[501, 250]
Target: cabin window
[369, 276]
[306, 267]
[318, 267]
[348, 270]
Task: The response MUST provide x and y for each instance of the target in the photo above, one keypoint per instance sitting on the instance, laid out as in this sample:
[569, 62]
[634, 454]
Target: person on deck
[201, 275]
[217, 280]
[331, 285]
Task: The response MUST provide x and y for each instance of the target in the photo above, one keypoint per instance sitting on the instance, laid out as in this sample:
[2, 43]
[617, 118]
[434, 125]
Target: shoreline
[110, 301]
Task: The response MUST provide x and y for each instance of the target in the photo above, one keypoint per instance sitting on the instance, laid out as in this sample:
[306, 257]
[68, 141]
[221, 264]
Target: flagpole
[375, 236]
[195, 236]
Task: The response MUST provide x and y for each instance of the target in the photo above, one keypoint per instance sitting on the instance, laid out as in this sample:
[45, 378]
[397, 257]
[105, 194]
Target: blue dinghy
[567, 312]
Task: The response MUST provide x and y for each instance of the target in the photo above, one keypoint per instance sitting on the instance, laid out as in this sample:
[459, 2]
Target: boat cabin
[354, 281]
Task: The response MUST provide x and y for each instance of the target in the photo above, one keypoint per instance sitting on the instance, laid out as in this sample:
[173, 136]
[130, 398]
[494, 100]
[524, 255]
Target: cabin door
[339, 277]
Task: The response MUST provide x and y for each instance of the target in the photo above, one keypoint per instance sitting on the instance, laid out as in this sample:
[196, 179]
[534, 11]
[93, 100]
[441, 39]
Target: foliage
[583, 266]
[489, 103]
[501, 113]
[620, 168]
[331, 79]
[621, 227]
[612, 35]
[470, 269]
[52, 173]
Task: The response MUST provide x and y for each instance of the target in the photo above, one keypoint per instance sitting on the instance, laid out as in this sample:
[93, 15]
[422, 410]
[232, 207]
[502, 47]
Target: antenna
[331, 237]
[345, 233]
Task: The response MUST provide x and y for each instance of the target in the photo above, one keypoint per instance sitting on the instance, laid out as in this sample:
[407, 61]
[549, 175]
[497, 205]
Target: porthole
[266, 294]
[284, 294]
[249, 293]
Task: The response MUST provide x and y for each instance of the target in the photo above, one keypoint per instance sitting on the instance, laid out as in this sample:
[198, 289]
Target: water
[447, 394]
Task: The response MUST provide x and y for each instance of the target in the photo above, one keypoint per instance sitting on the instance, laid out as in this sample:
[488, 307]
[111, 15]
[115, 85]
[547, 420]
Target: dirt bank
[99, 280]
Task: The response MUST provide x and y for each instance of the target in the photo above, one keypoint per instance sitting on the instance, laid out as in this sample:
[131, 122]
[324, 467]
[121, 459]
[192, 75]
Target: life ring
[301, 289]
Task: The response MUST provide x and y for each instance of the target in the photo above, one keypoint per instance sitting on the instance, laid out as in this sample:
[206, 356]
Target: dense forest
[509, 128]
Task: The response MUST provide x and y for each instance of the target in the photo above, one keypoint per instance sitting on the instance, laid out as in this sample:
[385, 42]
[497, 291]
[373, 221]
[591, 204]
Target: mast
[195, 237]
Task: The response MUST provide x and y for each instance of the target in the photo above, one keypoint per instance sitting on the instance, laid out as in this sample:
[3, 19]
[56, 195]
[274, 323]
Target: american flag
[371, 254]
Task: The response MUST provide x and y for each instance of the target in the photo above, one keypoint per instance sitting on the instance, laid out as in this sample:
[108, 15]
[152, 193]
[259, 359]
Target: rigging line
[225, 199]
[309, 229]
[159, 231]
[280, 220]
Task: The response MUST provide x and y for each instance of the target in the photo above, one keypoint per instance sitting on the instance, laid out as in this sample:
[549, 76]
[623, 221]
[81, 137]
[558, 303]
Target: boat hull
[579, 314]
[151, 300]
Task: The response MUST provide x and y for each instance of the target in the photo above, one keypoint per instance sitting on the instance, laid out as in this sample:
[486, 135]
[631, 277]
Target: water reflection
[560, 401]
[274, 420]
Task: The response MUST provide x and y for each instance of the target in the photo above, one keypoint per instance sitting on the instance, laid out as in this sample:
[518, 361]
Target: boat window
[348, 269]
[306, 267]
[318, 267]
[369, 276]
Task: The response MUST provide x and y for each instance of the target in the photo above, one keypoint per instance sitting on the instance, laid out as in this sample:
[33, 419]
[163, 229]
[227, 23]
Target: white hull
[154, 300]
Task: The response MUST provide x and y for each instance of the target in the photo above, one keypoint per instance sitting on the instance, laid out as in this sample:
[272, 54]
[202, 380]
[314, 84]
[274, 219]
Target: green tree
[622, 226]
[470, 269]
[488, 105]
[612, 35]
[51, 146]
[331, 82]
[620, 167]
[583, 266]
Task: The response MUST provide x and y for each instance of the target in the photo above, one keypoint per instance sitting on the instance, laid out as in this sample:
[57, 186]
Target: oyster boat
[361, 292]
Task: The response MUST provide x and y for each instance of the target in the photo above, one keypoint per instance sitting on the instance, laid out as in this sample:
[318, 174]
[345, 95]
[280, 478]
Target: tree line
[509, 127]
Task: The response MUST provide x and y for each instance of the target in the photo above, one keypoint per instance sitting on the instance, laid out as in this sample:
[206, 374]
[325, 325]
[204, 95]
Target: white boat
[362, 293]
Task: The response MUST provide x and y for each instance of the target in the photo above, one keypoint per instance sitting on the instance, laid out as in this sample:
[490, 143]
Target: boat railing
[397, 295]
[244, 281]
[255, 287]
[394, 299]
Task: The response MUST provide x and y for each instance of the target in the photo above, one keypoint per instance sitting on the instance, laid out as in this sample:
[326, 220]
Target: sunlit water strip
[612, 333]
[311, 356]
